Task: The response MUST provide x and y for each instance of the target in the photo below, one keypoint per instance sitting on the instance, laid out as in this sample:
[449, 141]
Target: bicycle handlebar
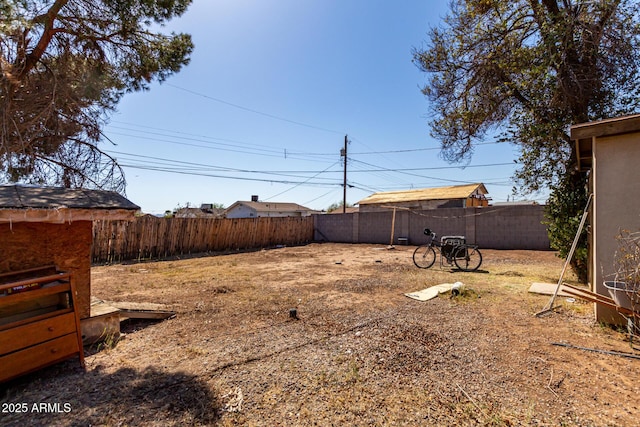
[428, 232]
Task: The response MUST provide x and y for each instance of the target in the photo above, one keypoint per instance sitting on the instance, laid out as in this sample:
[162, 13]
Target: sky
[271, 91]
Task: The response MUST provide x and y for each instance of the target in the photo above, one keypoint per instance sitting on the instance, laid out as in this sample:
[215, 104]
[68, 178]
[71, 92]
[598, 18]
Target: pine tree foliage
[64, 66]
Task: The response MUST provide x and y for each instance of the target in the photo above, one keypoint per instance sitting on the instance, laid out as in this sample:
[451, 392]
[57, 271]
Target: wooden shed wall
[26, 245]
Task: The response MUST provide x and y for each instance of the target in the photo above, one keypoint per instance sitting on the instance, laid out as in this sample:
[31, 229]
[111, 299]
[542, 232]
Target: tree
[337, 206]
[65, 64]
[528, 69]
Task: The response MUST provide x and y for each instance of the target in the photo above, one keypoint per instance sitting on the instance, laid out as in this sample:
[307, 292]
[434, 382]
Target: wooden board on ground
[548, 289]
[142, 310]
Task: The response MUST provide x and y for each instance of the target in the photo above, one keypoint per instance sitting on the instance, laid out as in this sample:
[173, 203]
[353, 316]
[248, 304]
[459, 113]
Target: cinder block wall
[508, 227]
[338, 228]
[512, 227]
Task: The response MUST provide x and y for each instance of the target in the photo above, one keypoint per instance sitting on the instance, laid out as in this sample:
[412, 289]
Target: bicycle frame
[444, 253]
[452, 250]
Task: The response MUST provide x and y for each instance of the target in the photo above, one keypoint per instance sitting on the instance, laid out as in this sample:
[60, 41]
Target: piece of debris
[430, 293]
[457, 288]
[236, 399]
[596, 350]
[293, 313]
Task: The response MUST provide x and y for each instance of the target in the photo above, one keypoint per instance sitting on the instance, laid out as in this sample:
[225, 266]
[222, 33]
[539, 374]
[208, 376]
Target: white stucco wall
[241, 211]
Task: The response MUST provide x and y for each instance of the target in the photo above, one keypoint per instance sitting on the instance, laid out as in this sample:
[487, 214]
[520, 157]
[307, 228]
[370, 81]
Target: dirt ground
[358, 353]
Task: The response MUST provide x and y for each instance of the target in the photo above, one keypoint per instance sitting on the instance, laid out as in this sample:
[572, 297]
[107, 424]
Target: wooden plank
[36, 293]
[37, 280]
[18, 273]
[102, 309]
[594, 299]
[606, 127]
[546, 289]
[132, 310]
[588, 292]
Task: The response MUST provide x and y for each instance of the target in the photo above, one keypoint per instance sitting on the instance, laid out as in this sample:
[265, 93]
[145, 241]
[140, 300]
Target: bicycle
[453, 250]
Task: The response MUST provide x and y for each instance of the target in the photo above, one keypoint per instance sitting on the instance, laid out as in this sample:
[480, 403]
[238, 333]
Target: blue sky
[271, 91]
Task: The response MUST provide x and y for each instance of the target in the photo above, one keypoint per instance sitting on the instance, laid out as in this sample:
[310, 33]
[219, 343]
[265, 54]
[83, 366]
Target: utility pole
[343, 153]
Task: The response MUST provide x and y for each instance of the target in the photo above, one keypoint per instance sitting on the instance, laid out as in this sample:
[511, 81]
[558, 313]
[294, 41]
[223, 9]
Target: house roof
[272, 206]
[52, 204]
[439, 193]
[349, 209]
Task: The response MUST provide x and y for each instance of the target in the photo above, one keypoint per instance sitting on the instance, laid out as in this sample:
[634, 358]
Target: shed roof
[439, 193]
[53, 204]
[17, 196]
[583, 133]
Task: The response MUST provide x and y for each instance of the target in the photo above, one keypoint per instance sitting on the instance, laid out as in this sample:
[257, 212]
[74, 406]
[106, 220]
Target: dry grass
[360, 353]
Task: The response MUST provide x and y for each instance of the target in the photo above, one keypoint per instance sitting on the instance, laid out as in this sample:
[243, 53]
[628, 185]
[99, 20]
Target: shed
[456, 196]
[254, 209]
[42, 226]
[610, 150]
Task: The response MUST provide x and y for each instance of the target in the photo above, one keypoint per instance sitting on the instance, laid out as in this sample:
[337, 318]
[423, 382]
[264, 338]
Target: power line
[304, 182]
[188, 134]
[272, 116]
[413, 150]
[204, 166]
[275, 181]
[269, 148]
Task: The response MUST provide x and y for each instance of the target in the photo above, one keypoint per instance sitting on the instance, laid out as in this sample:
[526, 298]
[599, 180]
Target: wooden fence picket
[149, 237]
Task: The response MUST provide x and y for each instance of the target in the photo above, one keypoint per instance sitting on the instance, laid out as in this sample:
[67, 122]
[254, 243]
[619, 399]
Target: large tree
[64, 66]
[527, 70]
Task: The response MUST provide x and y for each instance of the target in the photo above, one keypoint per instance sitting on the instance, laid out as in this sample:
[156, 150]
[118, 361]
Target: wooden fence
[149, 237]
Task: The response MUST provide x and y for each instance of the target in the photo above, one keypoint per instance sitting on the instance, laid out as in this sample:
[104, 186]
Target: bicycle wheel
[468, 258]
[424, 256]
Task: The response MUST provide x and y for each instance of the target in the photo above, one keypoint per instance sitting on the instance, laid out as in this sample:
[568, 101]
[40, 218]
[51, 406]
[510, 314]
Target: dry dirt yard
[359, 353]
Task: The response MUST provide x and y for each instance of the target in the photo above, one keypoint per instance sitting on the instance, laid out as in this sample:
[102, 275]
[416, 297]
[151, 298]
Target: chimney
[254, 198]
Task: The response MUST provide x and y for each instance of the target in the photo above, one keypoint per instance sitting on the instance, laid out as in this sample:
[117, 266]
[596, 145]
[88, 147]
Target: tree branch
[46, 37]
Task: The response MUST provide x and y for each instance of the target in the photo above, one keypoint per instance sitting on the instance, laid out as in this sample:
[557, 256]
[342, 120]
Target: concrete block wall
[338, 228]
[512, 227]
[504, 227]
[444, 222]
[375, 227]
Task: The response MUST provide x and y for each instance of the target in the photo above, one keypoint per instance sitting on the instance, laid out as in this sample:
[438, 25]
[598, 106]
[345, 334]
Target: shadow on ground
[127, 396]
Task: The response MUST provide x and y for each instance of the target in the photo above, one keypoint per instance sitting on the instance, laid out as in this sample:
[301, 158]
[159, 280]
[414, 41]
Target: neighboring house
[204, 211]
[610, 149]
[457, 196]
[241, 209]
